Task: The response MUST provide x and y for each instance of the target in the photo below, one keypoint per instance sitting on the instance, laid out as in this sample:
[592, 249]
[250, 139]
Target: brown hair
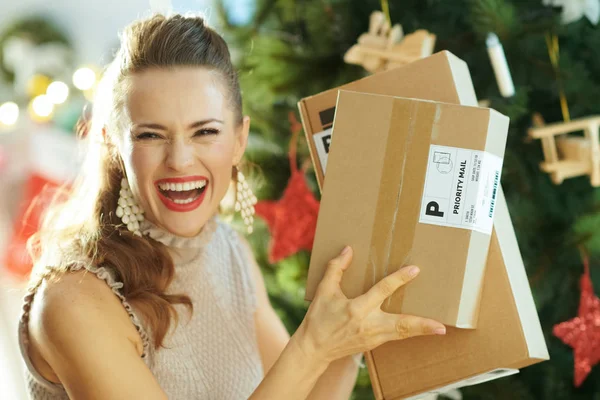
[85, 225]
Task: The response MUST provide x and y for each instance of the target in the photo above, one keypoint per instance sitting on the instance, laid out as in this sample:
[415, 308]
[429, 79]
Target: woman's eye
[148, 135]
[206, 132]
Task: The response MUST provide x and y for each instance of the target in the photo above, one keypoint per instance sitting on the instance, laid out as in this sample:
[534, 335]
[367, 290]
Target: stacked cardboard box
[508, 334]
[412, 182]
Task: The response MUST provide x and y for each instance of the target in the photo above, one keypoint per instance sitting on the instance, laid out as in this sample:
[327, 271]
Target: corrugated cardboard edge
[375, 384]
[466, 95]
[517, 275]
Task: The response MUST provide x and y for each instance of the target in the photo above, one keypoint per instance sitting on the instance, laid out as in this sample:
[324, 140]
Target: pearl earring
[130, 213]
[245, 201]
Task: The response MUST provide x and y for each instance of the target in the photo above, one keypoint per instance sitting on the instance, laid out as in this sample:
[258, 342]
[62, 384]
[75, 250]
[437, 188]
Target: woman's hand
[335, 327]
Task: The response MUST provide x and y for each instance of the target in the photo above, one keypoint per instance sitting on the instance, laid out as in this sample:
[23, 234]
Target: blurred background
[537, 61]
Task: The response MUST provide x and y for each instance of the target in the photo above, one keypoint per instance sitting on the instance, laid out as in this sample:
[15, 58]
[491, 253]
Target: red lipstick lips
[170, 203]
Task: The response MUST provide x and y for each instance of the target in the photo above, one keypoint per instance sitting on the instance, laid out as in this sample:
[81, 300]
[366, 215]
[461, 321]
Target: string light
[41, 108]
[9, 113]
[46, 94]
[84, 78]
[58, 92]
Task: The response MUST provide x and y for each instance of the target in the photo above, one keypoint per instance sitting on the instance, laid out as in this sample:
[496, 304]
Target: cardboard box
[440, 77]
[509, 335]
[412, 182]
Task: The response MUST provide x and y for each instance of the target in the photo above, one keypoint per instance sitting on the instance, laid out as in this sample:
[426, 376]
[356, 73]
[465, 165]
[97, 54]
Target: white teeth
[182, 186]
[183, 201]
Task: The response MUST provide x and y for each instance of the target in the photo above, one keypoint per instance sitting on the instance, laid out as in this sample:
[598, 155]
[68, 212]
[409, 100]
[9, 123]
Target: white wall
[92, 25]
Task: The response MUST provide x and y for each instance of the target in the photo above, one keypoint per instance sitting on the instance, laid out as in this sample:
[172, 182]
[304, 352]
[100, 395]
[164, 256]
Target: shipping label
[322, 143]
[460, 190]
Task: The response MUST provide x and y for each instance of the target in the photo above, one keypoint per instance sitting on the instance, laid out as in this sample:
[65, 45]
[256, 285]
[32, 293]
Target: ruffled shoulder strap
[107, 276]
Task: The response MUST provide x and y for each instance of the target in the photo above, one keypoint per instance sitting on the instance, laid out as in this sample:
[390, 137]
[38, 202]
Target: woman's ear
[241, 140]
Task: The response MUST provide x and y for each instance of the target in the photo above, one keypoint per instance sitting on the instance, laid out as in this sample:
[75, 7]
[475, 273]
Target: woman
[139, 291]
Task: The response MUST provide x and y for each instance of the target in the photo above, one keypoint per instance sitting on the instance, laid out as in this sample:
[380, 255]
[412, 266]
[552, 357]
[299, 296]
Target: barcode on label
[494, 192]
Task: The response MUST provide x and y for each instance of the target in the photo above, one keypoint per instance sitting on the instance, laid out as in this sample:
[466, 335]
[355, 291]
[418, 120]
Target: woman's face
[180, 145]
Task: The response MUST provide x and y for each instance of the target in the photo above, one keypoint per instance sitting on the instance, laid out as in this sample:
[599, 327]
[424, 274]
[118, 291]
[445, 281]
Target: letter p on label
[433, 209]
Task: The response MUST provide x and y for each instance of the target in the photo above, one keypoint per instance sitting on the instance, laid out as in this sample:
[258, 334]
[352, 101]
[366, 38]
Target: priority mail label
[460, 190]
[322, 143]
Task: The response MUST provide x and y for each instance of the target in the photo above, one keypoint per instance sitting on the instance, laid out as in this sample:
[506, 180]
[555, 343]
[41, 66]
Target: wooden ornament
[385, 47]
[567, 156]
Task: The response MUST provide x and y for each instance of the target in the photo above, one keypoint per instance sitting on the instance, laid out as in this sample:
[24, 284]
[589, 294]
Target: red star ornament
[582, 333]
[292, 220]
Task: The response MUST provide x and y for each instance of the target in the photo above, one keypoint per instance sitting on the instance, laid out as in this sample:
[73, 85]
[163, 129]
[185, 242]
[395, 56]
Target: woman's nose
[180, 154]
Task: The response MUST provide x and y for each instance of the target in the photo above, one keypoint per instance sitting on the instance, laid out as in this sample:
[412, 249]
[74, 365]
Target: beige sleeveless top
[213, 355]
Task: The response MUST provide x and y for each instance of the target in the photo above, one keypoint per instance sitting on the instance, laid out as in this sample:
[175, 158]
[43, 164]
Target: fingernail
[413, 271]
[440, 331]
[345, 250]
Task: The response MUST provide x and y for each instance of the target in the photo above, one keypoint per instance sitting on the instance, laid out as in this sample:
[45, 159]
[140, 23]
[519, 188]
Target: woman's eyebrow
[196, 124]
[151, 126]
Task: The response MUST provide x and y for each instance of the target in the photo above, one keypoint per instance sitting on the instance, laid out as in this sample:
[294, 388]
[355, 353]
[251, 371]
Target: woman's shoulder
[78, 296]
[69, 313]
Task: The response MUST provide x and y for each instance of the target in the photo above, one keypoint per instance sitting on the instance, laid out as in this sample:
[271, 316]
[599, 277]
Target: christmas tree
[289, 50]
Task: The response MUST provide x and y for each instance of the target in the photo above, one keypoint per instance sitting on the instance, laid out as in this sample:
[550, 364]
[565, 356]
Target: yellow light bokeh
[37, 85]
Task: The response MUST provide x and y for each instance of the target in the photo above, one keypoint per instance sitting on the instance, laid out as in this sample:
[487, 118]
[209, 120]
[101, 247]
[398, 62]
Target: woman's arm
[336, 327]
[338, 380]
[81, 330]
[335, 382]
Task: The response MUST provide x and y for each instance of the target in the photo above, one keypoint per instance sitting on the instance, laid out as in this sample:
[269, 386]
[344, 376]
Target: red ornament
[292, 220]
[39, 191]
[50, 161]
[582, 333]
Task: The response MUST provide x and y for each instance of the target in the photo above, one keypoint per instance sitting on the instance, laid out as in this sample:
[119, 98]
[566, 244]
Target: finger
[387, 286]
[397, 327]
[406, 326]
[336, 267]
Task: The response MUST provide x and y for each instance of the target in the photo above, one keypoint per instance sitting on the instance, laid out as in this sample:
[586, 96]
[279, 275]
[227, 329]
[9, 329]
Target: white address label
[322, 143]
[460, 188]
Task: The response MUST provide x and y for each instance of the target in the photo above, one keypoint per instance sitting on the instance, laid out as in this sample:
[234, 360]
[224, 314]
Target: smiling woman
[140, 290]
[181, 122]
